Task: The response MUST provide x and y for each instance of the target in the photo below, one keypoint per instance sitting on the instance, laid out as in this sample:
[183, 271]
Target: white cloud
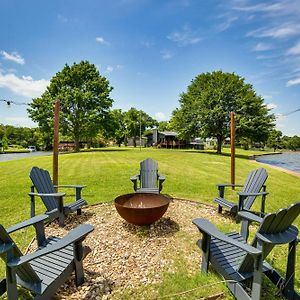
[229, 20]
[24, 86]
[101, 40]
[184, 37]
[14, 56]
[271, 105]
[294, 50]
[109, 69]
[19, 121]
[62, 18]
[295, 81]
[160, 116]
[262, 47]
[166, 54]
[277, 32]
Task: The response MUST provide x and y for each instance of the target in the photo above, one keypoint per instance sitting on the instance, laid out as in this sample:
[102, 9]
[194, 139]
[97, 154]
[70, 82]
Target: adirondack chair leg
[257, 275]
[245, 229]
[32, 203]
[61, 217]
[78, 257]
[78, 211]
[205, 256]
[2, 286]
[78, 193]
[263, 203]
[11, 284]
[288, 290]
[40, 233]
[221, 195]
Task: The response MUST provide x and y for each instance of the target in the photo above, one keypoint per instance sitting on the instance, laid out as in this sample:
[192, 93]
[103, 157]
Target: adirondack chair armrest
[75, 186]
[284, 237]
[221, 188]
[245, 194]
[208, 228]
[228, 185]
[135, 177]
[77, 234]
[26, 223]
[246, 215]
[161, 178]
[56, 195]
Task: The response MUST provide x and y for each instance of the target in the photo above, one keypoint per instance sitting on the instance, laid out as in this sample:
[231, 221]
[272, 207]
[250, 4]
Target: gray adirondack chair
[45, 270]
[253, 187]
[149, 179]
[52, 200]
[242, 265]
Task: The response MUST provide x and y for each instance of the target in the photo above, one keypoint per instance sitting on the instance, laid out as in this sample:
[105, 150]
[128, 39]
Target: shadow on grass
[243, 156]
[163, 227]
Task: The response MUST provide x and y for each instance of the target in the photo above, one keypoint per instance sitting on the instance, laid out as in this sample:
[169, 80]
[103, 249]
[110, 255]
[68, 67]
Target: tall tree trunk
[219, 144]
[76, 142]
[134, 141]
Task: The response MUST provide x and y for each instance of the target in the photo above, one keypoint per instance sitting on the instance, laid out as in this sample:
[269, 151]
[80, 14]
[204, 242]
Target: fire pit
[142, 208]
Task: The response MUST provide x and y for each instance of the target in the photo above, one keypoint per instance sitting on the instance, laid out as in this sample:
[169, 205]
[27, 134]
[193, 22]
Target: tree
[136, 121]
[274, 141]
[117, 126]
[84, 101]
[206, 105]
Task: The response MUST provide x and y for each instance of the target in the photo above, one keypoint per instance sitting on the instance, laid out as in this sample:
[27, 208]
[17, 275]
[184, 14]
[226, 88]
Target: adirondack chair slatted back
[25, 271]
[275, 223]
[148, 173]
[42, 181]
[253, 184]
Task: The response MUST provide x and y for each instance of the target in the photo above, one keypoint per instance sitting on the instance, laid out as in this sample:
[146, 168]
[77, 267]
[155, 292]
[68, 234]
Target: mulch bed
[125, 256]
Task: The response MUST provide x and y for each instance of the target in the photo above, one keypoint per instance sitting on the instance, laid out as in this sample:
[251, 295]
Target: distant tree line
[86, 113]
[20, 136]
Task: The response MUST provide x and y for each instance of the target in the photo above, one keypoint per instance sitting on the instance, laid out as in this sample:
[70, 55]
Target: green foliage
[292, 143]
[164, 126]
[274, 141]
[5, 142]
[116, 129]
[136, 121]
[84, 102]
[205, 109]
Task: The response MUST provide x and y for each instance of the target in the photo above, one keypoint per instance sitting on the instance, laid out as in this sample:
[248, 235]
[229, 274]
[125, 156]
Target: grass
[190, 175]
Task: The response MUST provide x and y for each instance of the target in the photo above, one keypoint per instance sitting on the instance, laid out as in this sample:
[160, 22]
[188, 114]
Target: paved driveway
[11, 156]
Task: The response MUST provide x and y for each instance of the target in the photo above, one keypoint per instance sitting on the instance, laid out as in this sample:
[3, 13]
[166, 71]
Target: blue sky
[150, 50]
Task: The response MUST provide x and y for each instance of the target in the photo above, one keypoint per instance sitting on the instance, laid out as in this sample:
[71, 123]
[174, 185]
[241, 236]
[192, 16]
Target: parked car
[31, 148]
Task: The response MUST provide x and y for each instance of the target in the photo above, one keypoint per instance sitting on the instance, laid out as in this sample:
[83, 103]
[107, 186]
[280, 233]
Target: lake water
[290, 161]
[12, 156]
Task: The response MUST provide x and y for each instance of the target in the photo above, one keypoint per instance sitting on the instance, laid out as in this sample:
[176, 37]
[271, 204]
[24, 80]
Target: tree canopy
[136, 121]
[206, 105]
[84, 100]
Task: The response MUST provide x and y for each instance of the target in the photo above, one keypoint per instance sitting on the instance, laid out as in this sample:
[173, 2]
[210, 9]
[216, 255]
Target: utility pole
[56, 141]
[232, 147]
[140, 130]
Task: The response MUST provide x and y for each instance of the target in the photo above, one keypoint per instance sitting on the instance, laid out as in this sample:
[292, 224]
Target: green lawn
[190, 175]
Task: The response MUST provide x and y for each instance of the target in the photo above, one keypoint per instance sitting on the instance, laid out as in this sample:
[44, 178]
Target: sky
[151, 50]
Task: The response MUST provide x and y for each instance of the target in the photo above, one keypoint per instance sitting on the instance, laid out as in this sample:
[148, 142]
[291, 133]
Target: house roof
[169, 133]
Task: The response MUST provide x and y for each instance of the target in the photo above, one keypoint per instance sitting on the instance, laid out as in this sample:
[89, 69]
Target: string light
[9, 102]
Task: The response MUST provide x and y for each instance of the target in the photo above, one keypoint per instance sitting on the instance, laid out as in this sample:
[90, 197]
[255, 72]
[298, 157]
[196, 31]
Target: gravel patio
[126, 257]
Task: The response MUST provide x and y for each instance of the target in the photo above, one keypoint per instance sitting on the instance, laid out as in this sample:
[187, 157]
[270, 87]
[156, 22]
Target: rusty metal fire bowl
[141, 208]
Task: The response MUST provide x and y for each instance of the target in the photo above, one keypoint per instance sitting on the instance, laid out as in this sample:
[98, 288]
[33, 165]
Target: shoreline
[279, 168]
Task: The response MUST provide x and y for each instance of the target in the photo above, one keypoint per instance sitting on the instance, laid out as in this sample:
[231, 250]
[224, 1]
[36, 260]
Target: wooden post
[55, 142]
[232, 146]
